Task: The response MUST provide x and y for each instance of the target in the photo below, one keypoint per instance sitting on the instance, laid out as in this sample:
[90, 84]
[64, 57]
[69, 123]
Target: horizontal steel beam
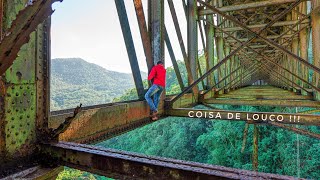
[103, 121]
[253, 117]
[270, 97]
[244, 6]
[125, 165]
[281, 103]
[277, 24]
[269, 37]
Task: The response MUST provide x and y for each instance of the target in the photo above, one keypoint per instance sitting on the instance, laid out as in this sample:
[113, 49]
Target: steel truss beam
[236, 50]
[125, 165]
[296, 130]
[277, 24]
[244, 6]
[258, 35]
[127, 36]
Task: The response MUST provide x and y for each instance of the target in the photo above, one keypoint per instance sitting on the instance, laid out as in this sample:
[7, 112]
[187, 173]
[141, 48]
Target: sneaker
[154, 118]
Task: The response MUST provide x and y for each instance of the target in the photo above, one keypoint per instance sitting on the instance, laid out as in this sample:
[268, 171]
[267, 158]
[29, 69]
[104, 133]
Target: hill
[75, 81]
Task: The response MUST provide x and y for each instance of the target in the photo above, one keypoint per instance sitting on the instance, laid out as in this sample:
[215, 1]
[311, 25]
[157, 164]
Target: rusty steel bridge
[262, 60]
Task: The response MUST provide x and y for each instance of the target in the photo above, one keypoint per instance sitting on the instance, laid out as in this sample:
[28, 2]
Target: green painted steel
[19, 95]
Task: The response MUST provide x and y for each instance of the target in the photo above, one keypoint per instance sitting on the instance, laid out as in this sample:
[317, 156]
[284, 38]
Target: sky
[91, 30]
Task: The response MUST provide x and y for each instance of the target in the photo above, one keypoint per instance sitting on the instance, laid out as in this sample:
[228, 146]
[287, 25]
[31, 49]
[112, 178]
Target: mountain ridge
[74, 81]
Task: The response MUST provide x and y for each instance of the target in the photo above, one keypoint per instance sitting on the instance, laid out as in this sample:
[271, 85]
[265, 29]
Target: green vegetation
[220, 143]
[75, 81]
[75, 174]
[217, 142]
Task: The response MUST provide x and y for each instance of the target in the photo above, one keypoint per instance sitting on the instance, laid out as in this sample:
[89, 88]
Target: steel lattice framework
[256, 53]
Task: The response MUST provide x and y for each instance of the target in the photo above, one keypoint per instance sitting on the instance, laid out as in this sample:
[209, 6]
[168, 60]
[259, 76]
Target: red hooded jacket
[158, 74]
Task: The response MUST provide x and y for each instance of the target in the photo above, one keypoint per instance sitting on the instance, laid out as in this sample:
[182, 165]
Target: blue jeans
[155, 91]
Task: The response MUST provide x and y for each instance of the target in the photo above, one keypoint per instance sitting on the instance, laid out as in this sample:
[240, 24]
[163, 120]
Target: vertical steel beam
[157, 30]
[205, 52]
[43, 57]
[315, 23]
[303, 37]
[18, 98]
[255, 156]
[126, 32]
[2, 94]
[173, 60]
[220, 55]
[210, 48]
[1, 18]
[295, 49]
[144, 33]
[192, 36]
[181, 43]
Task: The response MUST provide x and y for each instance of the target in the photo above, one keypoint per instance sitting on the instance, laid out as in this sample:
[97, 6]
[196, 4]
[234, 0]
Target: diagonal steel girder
[236, 50]
[274, 71]
[18, 34]
[268, 41]
[228, 34]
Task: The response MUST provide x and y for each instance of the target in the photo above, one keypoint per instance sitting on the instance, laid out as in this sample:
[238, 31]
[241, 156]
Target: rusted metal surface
[144, 33]
[102, 122]
[244, 137]
[315, 22]
[210, 38]
[36, 173]
[25, 23]
[66, 124]
[43, 57]
[303, 37]
[19, 84]
[192, 37]
[251, 49]
[125, 165]
[296, 130]
[255, 155]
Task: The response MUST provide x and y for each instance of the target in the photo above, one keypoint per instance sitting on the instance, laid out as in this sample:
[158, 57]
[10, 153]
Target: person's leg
[152, 90]
[157, 97]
